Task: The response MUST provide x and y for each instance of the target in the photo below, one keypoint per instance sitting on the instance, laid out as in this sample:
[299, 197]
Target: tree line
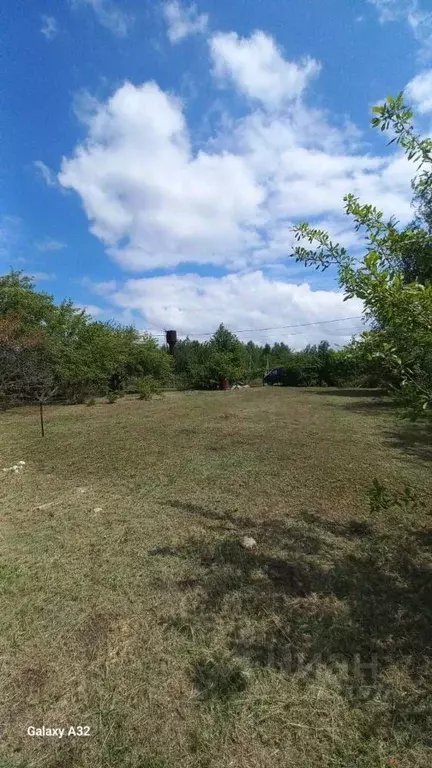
[52, 350]
[57, 350]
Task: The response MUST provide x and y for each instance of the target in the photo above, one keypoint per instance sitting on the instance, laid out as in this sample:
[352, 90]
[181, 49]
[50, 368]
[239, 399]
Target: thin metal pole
[41, 418]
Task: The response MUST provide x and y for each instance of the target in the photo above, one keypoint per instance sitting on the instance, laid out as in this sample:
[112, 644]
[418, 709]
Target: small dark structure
[276, 376]
[171, 340]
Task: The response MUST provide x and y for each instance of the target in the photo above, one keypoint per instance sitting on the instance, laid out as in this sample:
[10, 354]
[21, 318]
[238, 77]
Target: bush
[112, 397]
[183, 382]
[147, 387]
[92, 401]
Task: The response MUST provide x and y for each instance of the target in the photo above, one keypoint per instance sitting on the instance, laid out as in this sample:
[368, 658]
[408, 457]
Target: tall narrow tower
[171, 340]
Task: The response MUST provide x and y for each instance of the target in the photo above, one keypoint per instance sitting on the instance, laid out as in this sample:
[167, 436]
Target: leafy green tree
[402, 312]
[83, 357]
[18, 295]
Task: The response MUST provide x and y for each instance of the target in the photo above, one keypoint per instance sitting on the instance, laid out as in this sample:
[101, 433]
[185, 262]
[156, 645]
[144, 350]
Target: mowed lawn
[128, 605]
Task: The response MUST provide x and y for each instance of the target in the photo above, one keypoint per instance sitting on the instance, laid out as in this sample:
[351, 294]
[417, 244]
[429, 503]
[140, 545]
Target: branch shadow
[336, 594]
[414, 439]
[356, 392]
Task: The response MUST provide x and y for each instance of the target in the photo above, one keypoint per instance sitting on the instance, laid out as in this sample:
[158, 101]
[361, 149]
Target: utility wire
[276, 328]
[347, 332]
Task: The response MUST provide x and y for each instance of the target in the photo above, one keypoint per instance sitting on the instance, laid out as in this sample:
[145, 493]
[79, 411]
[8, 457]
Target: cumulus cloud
[109, 15]
[150, 199]
[155, 201]
[419, 91]
[183, 20]
[258, 69]
[49, 27]
[195, 305]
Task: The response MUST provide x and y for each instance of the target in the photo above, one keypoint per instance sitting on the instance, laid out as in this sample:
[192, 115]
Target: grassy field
[128, 605]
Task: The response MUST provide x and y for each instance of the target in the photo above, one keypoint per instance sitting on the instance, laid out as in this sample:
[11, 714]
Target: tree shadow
[366, 401]
[362, 393]
[266, 531]
[336, 594]
[414, 439]
[353, 529]
[372, 407]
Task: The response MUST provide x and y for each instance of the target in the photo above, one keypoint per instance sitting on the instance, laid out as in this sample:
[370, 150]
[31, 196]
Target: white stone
[248, 542]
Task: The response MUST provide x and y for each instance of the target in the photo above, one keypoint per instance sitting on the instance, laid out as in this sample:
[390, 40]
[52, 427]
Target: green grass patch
[128, 605]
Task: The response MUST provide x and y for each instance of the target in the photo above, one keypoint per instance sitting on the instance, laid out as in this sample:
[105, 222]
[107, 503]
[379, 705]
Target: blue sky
[156, 155]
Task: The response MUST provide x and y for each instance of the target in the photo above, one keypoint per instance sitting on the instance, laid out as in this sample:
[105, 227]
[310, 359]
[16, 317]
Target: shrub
[112, 397]
[182, 382]
[92, 401]
[147, 387]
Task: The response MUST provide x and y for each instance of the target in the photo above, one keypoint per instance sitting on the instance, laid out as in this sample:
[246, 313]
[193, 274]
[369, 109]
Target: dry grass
[127, 604]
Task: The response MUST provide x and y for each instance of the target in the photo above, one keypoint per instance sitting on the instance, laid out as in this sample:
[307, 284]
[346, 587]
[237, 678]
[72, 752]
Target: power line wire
[276, 328]
[347, 332]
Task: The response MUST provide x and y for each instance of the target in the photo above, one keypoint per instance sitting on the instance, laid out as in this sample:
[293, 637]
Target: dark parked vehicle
[276, 376]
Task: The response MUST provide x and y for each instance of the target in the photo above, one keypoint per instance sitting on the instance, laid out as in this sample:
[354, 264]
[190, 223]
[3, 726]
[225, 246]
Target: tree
[19, 297]
[227, 357]
[401, 311]
[24, 373]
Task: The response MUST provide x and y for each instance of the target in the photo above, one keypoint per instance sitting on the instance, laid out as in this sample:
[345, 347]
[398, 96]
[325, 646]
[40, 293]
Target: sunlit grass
[128, 604]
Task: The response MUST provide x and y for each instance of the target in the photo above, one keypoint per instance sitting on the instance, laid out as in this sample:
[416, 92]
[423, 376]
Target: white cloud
[41, 276]
[149, 190]
[183, 20]
[419, 90]
[410, 11]
[195, 305]
[109, 15]
[45, 173]
[155, 202]
[421, 25]
[91, 309]
[49, 27]
[391, 10]
[10, 236]
[258, 69]
[49, 244]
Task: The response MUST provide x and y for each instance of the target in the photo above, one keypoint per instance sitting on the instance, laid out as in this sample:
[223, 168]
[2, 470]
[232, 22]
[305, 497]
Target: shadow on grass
[336, 595]
[351, 392]
[220, 677]
[414, 439]
[365, 401]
